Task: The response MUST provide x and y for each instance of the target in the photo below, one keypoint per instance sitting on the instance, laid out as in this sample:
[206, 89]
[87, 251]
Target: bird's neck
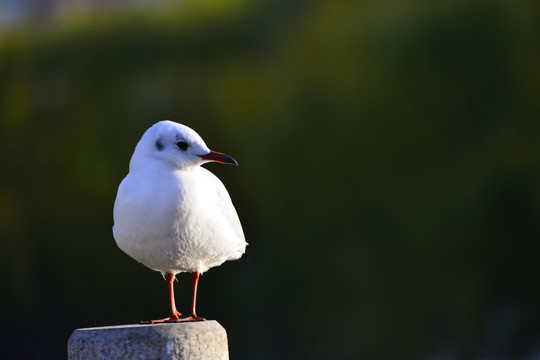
[158, 168]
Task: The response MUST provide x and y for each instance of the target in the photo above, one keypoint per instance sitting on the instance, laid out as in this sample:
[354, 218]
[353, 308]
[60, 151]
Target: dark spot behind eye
[182, 145]
[159, 145]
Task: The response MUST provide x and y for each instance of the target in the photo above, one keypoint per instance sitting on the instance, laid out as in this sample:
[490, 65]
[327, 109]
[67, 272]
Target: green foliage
[388, 180]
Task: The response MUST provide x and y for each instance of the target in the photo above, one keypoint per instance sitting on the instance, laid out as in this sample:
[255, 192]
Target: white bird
[171, 214]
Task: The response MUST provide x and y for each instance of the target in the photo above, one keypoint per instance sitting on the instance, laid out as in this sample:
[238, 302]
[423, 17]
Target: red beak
[219, 157]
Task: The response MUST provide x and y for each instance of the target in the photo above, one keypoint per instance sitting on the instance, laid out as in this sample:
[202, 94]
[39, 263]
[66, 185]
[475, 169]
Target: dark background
[389, 179]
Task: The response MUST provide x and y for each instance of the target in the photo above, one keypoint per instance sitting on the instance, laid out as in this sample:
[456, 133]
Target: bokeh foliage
[389, 180]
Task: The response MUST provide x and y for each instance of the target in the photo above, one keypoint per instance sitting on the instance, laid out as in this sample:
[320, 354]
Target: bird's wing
[225, 206]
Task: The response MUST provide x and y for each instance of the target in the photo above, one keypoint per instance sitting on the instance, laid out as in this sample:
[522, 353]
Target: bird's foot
[161, 321]
[192, 317]
[171, 319]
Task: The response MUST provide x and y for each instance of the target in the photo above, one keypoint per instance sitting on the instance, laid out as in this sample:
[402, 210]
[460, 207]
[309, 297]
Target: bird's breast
[174, 223]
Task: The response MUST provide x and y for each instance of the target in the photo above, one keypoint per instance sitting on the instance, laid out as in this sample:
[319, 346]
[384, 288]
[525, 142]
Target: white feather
[170, 214]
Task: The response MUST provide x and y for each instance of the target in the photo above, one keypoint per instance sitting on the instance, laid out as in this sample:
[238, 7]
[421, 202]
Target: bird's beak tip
[219, 157]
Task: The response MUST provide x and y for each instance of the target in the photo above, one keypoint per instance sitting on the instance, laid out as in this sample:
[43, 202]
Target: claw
[192, 318]
[171, 319]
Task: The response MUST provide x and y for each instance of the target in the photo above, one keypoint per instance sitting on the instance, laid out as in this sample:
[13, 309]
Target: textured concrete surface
[190, 340]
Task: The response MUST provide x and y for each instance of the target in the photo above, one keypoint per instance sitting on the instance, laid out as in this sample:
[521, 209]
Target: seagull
[173, 215]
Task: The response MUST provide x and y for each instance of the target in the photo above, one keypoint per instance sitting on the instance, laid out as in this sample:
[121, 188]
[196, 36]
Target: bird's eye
[182, 145]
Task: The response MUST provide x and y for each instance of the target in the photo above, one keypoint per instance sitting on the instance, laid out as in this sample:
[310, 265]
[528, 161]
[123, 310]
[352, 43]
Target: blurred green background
[389, 178]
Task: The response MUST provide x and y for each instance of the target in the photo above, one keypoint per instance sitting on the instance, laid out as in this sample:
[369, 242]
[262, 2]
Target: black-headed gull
[171, 214]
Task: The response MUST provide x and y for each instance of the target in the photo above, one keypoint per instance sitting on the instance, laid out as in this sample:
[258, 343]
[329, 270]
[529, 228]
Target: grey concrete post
[172, 341]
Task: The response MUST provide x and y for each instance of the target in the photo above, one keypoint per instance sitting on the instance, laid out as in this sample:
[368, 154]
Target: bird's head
[175, 145]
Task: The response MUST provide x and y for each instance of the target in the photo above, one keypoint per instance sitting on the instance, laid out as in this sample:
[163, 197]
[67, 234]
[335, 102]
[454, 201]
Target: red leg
[193, 316]
[175, 314]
